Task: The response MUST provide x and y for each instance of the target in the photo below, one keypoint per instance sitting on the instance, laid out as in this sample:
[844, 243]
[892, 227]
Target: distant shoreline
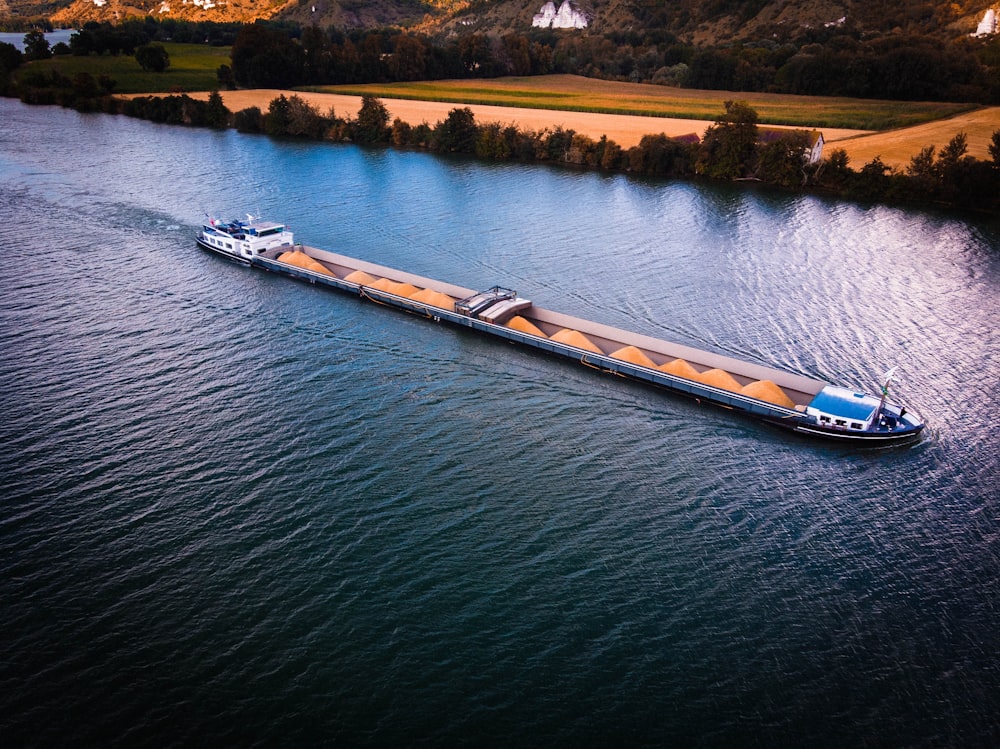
[896, 148]
[625, 130]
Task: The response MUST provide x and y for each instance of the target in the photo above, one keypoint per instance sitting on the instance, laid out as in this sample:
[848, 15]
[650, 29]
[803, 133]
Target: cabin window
[825, 418]
[841, 422]
[855, 425]
[229, 246]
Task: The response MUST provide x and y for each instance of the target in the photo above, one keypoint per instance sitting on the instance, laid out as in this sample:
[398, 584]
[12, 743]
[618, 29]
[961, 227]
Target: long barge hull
[333, 271]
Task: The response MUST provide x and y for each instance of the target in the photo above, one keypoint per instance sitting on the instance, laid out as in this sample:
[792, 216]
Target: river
[241, 510]
[53, 37]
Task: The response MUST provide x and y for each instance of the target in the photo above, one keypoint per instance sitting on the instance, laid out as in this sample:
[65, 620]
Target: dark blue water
[53, 37]
[239, 510]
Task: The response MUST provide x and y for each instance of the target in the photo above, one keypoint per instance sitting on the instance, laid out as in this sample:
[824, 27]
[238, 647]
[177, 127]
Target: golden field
[595, 108]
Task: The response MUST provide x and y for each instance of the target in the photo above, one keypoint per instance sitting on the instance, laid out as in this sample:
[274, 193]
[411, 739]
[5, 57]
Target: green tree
[834, 171]
[491, 143]
[954, 167]
[660, 155]
[729, 148]
[152, 57]
[923, 172]
[316, 54]
[712, 69]
[248, 120]
[304, 120]
[372, 125]
[782, 159]
[265, 58]
[516, 52]
[408, 61]
[476, 53]
[36, 46]
[216, 114]
[995, 148]
[873, 181]
[458, 133]
[10, 57]
[953, 153]
[224, 74]
[278, 117]
[84, 86]
[371, 60]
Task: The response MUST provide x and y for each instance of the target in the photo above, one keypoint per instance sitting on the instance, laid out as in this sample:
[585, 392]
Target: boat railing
[473, 305]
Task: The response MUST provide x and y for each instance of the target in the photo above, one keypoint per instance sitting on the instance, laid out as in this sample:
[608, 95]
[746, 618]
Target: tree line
[836, 61]
[915, 68]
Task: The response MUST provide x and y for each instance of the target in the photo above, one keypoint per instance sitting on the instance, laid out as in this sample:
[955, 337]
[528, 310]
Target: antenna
[885, 393]
[885, 381]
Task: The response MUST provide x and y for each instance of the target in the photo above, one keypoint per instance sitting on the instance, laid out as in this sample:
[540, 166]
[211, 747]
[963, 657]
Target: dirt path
[895, 147]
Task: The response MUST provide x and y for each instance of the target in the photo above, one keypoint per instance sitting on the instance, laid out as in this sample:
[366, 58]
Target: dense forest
[827, 63]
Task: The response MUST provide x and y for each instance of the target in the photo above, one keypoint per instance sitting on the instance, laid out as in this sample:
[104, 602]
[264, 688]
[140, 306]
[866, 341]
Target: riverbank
[947, 177]
[896, 147]
[625, 130]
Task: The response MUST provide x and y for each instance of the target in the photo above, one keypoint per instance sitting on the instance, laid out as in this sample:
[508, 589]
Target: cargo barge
[800, 404]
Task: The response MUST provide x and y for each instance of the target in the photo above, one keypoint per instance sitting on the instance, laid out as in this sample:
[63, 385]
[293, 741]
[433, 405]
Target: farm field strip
[574, 93]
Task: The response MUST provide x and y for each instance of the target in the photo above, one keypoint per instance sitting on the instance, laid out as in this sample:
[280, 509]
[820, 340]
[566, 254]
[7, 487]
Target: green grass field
[192, 68]
[573, 93]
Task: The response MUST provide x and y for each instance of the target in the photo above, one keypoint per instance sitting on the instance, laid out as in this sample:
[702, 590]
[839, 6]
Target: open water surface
[240, 510]
[53, 37]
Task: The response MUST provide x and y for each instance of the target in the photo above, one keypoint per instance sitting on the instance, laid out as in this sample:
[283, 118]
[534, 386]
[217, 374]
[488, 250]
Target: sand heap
[408, 290]
[395, 287]
[360, 277]
[720, 379]
[301, 260]
[765, 390]
[525, 326]
[575, 338]
[634, 355]
[434, 298]
[679, 368]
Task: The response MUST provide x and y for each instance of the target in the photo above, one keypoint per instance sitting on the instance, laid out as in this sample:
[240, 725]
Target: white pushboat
[241, 240]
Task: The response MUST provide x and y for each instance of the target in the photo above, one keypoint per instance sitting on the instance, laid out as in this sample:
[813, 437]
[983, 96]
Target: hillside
[691, 21]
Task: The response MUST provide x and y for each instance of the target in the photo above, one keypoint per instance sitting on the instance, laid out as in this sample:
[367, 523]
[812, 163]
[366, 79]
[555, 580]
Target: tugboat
[241, 240]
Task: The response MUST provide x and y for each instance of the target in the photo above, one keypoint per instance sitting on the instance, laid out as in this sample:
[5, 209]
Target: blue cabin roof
[845, 403]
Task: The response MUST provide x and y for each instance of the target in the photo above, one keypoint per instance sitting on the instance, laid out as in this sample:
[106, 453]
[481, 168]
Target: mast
[885, 394]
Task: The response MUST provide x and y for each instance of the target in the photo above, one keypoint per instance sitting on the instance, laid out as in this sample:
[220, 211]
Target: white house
[988, 25]
[567, 17]
[814, 138]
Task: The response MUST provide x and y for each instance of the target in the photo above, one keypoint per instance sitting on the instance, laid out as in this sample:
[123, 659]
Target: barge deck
[781, 398]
